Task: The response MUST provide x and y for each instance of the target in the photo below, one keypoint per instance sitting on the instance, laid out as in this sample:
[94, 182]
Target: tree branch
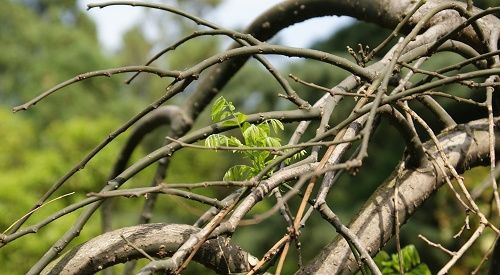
[376, 217]
[158, 240]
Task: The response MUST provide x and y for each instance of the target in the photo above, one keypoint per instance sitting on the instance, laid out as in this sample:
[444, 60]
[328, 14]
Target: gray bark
[158, 240]
[374, 223]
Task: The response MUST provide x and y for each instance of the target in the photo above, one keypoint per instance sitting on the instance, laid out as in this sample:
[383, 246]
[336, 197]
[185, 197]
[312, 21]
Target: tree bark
[158, 240]
[465, 145]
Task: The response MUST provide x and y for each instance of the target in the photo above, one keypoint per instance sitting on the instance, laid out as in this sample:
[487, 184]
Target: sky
[113, 22]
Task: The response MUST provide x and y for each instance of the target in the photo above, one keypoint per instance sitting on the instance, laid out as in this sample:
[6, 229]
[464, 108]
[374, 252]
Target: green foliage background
[45, 42]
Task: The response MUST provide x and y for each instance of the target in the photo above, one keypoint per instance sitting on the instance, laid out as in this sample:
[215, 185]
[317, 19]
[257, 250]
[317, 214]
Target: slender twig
[272, 251]
[445, 95]
[495, 33]
[485, 257]
[470, 84]
[394, 33]
[243, 39]
[30, 212]
[274, 150]
[471, 19]
[396, 216]
[457, 195]
[444, 158]
[107, 73]
[137, 192]
[211, 227]
[463, 249]
[406, 79]
[218, 31]
[300, 211]
[349, 236]
[451, 253]
[4, 239]
[137, 248]
[478, 190]
[330, 91]
[458, 66]
[489, 103]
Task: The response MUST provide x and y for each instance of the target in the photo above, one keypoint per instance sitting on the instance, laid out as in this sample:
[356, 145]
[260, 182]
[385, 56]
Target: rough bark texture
[158, 240]
[374, 224]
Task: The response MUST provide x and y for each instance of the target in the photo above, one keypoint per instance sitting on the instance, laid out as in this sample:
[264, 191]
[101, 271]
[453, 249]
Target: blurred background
[46, 42]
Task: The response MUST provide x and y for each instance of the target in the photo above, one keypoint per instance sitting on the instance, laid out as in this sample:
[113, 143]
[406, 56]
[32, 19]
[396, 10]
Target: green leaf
[264, 127]
[235, 142]
[238, 173]
[296, 156]
[276, 124]
[241, 118]
[225, 115]
[245, 126]
[261, 158]
[421, 269]
[230, 123]
[217, 108]
[389, 265]
[216, 140]
[252, 134]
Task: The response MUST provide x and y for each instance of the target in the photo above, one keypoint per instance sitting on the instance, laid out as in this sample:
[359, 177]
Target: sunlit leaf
[252, 134]
[272, 142]
[230, 123]
[241, 118]
[264, 127]
[276, 124]
[217, 108]
[237, 173]
[235, 142]
[216, 140]
[389, 265]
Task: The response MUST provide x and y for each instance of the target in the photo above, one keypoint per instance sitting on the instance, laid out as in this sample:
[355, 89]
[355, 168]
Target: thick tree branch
[375, 219]
[374, 222]
[158, 240]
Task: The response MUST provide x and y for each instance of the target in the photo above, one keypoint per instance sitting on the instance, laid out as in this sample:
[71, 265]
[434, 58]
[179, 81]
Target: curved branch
[376, 218]
[159, 117]
[418, 159]
[385, 13]
[157, 240]
[107, 73]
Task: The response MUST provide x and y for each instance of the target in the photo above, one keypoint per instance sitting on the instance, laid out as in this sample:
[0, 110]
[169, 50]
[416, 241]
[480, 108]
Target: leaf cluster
[254, 136]
[389, 264]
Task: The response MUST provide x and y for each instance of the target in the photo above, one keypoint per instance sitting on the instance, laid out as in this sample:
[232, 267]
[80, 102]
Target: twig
[495, 33]
[330, 91]
[31, 212]
[485, 257]
[451, 253]
[274, 150]
[396, 215]
[463, 249]
[272, 251]
[394, 32]
[441, 168]
[137, 248]
[107, 73]
[405, 80]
